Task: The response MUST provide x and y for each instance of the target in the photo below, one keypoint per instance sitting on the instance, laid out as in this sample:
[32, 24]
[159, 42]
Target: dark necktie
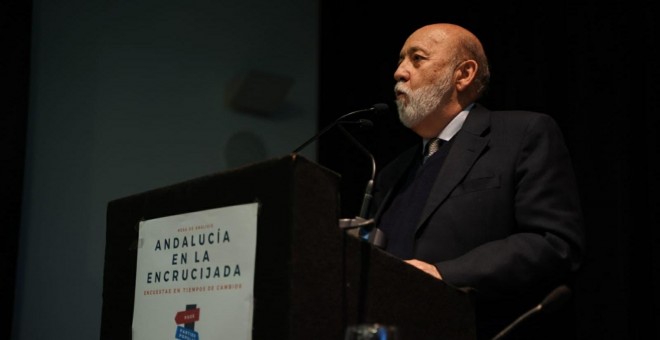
[431, 147]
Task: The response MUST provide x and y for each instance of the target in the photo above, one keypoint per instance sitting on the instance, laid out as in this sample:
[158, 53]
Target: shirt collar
[454, 126]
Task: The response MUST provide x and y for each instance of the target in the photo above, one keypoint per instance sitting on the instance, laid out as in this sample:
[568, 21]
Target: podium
[312, 279]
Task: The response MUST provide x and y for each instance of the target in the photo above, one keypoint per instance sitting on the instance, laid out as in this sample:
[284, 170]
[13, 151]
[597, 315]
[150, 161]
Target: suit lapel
[468, 144]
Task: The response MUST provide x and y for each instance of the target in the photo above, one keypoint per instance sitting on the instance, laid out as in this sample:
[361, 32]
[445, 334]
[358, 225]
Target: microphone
[360, 221]
[363, 123]
[364, 209]
[551, 303]
[367, 231]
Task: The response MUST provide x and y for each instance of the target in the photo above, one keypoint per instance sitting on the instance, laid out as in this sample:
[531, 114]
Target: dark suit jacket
[503, 216]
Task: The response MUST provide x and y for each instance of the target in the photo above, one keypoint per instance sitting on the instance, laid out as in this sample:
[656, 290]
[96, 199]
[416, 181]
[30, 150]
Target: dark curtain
[15, 21]
[593, 66]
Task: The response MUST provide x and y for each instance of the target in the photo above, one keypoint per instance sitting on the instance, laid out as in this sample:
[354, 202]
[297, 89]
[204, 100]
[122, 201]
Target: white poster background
[204, 260]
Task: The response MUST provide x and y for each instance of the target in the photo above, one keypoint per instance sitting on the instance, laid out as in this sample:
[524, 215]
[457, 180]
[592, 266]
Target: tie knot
[431, 147]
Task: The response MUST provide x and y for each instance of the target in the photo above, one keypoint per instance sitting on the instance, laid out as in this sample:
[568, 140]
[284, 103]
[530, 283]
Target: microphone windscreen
[365, 123]
[380, 107]
[556, 298]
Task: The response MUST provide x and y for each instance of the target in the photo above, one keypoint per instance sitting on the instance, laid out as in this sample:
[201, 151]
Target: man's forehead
[426, 40]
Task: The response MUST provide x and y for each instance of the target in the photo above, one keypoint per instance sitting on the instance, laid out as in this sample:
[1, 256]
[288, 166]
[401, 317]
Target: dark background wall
[106, 99]
[591, 65]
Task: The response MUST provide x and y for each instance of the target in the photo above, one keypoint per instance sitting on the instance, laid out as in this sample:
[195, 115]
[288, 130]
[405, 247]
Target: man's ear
[465, 73]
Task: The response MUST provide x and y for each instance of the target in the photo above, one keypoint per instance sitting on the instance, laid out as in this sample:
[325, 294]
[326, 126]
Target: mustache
[399, 87]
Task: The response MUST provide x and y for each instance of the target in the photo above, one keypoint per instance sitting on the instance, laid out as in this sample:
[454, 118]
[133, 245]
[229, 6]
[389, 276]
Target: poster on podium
[195, 275]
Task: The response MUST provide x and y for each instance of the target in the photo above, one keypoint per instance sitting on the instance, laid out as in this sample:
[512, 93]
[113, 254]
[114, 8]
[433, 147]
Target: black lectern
[312, 279]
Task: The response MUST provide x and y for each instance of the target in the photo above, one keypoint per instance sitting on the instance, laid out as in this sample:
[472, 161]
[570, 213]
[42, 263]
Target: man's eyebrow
[411, 50]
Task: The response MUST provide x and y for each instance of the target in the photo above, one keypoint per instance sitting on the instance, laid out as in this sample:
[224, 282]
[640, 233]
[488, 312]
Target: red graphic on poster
[187, 316]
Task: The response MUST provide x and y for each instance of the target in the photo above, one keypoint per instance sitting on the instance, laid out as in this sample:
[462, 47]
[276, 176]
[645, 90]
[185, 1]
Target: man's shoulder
[517, 114]
[510, 124]
[522, 118]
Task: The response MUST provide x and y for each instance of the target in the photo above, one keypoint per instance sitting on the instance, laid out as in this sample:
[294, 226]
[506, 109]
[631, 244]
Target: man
[496, 208]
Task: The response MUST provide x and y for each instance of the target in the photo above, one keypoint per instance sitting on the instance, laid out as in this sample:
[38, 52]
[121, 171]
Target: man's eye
[417, 58]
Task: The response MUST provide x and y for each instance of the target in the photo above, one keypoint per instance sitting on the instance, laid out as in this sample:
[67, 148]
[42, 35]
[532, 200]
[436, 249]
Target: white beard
[421, 102]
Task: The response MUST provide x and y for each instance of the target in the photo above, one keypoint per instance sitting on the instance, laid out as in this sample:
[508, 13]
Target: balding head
[459, 44]
[442, 69]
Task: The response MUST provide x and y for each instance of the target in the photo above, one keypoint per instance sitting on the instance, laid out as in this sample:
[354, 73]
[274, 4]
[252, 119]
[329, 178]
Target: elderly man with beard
[496, 209]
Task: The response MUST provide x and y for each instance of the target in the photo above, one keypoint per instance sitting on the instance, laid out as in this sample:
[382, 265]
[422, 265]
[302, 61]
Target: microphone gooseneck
[361, 221]
[367, 193]
[365, 226]
[363, 122]
[550, 303]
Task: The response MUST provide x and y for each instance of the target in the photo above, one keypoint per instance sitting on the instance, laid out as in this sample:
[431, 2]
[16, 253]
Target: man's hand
[426, 267]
